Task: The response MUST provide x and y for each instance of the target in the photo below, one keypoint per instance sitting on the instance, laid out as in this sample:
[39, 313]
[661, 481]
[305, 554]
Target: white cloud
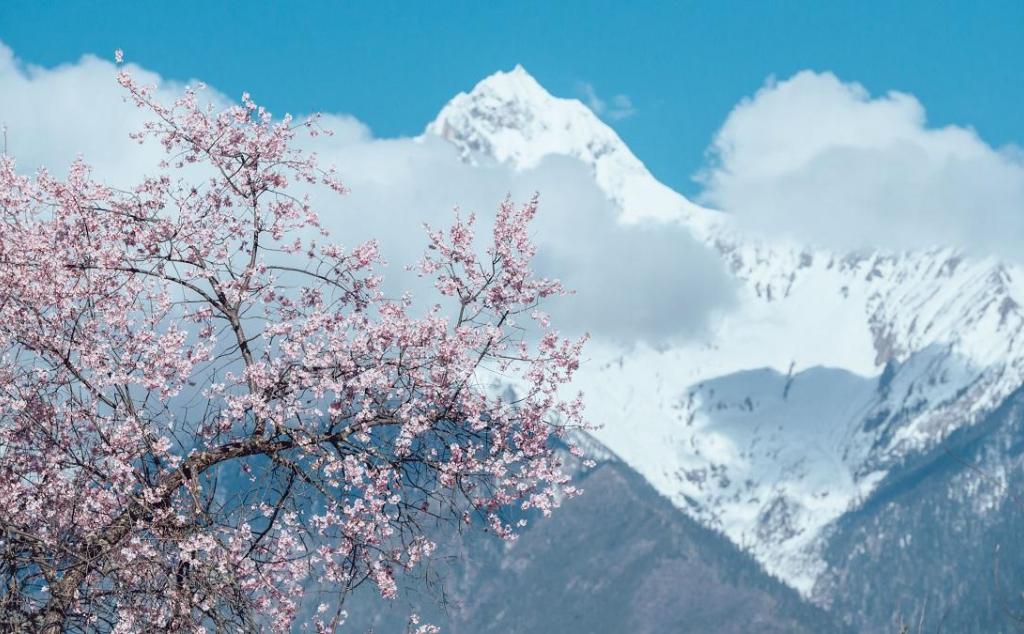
[632, 282]
[621, 106]
[53, 115]
[821, 160]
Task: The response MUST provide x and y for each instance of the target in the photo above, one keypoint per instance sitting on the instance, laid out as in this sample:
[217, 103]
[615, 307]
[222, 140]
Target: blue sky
[683, 65]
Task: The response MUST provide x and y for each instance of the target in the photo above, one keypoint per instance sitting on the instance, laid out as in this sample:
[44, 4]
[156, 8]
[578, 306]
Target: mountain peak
[509, 117]
[514, 85]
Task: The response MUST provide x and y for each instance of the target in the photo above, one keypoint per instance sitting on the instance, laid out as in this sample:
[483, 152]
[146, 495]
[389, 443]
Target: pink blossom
[152, 351]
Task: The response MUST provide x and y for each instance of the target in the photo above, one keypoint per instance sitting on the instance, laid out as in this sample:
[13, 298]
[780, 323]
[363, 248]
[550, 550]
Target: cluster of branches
[208, 408]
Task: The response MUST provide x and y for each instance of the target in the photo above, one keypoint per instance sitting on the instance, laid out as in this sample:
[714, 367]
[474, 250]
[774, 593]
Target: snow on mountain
[511, 118]
[832, 370]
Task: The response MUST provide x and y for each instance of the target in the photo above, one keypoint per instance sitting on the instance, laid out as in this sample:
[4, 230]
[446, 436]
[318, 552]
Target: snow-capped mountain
[511, 118]
[832, 371]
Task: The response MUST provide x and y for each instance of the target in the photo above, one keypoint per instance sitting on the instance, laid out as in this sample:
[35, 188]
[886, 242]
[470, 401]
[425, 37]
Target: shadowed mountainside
[620, 558]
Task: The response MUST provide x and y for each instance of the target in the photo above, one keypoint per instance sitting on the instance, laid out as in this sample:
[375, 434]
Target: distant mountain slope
[939, 541]
[618, 559]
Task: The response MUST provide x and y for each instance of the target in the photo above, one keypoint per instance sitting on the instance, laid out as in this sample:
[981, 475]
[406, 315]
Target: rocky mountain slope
[834, 372]
[937, 544]
[620, 558]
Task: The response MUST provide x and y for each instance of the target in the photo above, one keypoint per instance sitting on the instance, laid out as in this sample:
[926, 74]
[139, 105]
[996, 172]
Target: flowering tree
[206, 407]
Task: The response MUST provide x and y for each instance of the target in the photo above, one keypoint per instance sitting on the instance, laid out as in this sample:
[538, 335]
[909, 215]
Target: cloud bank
[632, 282]
[821, 161]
